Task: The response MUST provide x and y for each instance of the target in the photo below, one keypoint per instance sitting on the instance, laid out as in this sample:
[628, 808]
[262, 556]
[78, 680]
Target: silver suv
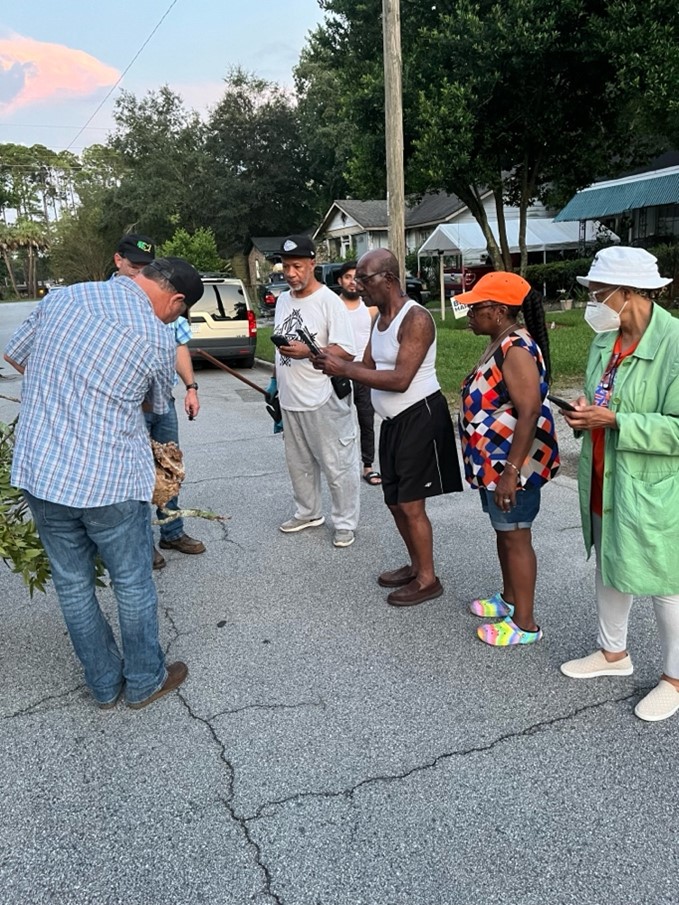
[223, 322]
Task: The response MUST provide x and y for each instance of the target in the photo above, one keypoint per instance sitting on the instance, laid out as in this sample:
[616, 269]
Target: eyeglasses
[593, 295]
[364, 277]
[479, 306]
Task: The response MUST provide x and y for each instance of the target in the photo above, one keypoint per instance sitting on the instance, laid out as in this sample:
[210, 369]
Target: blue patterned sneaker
[491, 607]
[506, 634]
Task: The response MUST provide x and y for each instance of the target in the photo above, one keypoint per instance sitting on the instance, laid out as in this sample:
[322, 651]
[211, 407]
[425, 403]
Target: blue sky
[59, 58]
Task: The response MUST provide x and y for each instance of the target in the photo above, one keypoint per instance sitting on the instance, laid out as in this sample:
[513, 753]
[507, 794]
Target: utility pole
[393, 129]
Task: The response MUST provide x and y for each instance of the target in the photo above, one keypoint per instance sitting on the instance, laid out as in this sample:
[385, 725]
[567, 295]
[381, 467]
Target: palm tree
[34, 237]
[7, 247]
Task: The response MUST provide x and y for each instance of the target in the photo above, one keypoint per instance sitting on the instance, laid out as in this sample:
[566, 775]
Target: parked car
[452, 284]
[328, 273]
[269, 292]
[223, 322]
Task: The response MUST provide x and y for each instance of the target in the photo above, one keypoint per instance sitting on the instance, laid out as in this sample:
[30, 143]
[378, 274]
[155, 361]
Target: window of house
[642, 224]
[668, 220]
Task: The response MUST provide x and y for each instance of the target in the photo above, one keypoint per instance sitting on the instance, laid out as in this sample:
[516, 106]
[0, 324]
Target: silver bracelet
[512, 465]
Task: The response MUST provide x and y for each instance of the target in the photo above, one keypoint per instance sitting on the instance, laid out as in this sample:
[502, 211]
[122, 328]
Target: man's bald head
[380, 259]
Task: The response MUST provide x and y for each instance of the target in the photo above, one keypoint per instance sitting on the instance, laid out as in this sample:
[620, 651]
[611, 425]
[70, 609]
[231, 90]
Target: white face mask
[600, 317]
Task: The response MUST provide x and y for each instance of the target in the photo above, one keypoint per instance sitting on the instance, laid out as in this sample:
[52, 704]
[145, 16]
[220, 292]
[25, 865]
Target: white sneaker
[299, 524]
[597, 665]
[343, 537]
[659, 704]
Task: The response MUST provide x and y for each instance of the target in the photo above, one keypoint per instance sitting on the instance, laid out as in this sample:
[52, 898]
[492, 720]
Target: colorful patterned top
[488, 418]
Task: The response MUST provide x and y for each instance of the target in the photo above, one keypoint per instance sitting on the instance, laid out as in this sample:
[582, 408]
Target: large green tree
[259, 163]
[524, 99]
[326, 121]
[85, 237]
[33, 181]
[166, 175]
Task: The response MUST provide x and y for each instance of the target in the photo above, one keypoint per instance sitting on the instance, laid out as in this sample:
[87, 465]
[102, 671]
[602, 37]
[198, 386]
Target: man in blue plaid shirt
[91, 354]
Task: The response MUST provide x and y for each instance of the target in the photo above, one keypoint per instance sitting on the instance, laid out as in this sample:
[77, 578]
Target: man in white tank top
[361, 318]
[418, 455]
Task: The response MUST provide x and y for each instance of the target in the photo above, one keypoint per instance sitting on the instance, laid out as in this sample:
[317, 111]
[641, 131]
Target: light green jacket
[640, 524]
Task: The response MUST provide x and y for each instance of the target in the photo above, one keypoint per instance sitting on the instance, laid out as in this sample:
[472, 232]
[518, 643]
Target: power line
[50, 126]
[124, 73]
[27, 166]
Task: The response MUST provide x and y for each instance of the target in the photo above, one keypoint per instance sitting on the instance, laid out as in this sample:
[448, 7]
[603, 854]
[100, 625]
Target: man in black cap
[320, 428]
[83, 460]
[134, 253]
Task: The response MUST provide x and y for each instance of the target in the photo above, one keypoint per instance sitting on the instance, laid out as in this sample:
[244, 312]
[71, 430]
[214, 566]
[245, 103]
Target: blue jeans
[522, 515]
[121, 535]
[163, 429]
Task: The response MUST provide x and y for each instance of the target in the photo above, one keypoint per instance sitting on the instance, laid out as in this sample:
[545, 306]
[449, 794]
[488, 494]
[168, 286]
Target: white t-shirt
[361, 322]
[301, 388]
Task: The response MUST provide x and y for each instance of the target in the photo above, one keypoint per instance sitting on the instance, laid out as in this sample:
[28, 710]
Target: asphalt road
[326, 749]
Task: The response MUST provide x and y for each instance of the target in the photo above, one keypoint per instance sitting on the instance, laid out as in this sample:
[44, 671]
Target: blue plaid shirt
[93, 353]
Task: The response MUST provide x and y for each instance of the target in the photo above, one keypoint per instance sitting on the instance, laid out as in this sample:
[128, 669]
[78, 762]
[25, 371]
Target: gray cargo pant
[324, 440]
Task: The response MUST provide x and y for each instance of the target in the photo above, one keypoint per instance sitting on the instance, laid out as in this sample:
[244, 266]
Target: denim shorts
[521, 515]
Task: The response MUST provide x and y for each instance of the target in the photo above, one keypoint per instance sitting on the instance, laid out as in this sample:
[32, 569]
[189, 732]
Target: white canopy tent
[467, 240]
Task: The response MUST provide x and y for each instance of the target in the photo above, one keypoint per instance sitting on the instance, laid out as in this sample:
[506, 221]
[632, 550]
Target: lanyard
[604, 390]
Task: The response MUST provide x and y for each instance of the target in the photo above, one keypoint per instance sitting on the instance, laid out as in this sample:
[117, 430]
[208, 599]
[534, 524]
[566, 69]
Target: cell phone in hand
[561, 403]
[306, 337]
[279, 341]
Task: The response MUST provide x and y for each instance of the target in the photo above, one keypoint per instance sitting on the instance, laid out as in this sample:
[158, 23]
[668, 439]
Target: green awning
[616, 197]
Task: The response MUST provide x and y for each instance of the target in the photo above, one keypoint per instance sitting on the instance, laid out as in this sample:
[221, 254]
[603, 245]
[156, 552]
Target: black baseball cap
[137, 249]
[346, 267]
[182, 275]
[297, 247]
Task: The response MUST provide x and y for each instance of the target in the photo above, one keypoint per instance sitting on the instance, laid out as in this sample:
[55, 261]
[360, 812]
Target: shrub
[558, 275]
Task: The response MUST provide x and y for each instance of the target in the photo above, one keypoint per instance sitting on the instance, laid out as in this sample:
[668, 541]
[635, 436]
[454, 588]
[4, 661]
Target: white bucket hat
[624, 266]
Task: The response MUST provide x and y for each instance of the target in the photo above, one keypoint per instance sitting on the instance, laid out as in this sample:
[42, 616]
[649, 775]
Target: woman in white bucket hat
[629, 468]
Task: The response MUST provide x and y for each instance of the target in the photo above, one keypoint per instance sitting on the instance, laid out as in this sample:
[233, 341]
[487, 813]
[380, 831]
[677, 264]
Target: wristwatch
[191, 386]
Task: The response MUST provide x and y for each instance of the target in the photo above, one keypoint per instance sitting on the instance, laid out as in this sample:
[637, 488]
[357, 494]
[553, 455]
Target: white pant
[325, 439]
[613, 608]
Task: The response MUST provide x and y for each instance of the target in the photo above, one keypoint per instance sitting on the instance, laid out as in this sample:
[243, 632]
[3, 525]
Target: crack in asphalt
[228, 540]
[177, 634]
[264, 810]
[228, 802]
[230, 477]
[268, 809]
[320, 703]
[32, 708]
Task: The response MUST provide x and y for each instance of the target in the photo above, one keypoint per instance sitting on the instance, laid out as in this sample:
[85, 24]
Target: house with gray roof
[363, 225]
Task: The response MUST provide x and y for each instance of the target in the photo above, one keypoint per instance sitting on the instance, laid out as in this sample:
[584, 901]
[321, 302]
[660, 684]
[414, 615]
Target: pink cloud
[35, 71]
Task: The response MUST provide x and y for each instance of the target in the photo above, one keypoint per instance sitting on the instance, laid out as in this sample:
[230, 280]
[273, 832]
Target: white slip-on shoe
[597, 665]
[659, 704]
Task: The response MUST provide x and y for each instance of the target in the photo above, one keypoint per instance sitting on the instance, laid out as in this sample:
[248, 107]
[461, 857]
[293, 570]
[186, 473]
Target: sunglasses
[363, 278]
[479, 306]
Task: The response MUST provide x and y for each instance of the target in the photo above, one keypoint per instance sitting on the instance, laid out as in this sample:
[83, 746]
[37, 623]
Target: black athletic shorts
[418, 456]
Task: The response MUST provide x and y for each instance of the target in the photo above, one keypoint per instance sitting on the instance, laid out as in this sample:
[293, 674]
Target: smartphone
[306, 337]
[561, 403]
[279, 341]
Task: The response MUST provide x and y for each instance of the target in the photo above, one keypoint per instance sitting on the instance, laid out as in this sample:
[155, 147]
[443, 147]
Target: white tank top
[384, 347]
[361, 322]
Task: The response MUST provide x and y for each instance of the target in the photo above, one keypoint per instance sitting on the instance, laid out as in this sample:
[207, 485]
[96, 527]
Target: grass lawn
[459, 349]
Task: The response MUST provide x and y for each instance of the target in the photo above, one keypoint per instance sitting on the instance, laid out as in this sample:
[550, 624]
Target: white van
[223, 322]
